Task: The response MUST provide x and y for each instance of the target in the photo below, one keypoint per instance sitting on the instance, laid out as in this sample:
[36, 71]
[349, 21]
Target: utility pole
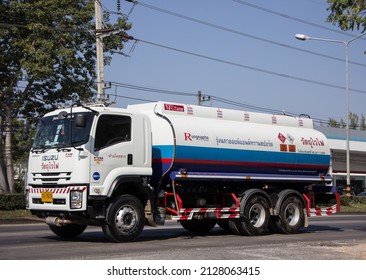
[202, 98]
[199, 95]
[99, 51]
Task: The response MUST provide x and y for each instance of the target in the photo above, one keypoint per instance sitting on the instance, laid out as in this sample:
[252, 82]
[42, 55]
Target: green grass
[13, 214]
[354, 208]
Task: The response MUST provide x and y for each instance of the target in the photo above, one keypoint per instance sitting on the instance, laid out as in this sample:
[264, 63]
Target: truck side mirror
[80, 120]
[62, 115]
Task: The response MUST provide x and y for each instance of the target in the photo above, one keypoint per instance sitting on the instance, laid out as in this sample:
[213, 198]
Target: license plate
[47, 197]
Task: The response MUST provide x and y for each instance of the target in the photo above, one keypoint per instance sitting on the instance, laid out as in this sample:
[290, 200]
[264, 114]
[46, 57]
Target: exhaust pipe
[58, 221]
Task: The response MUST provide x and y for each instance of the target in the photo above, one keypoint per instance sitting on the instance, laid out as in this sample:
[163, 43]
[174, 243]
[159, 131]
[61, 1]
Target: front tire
[125, 219]
[68, 231]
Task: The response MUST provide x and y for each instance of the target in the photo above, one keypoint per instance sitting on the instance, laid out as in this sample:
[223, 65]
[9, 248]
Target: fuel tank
[215, 140]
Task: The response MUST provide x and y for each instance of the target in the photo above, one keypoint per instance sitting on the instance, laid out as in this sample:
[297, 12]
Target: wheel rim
[126, 219]
[292, 213]
[257, 215]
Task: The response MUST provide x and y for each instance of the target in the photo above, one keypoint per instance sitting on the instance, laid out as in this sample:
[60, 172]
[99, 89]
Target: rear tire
[256, 217]
[291, 216]
[68, 231]
[125, 219]
[233, 227]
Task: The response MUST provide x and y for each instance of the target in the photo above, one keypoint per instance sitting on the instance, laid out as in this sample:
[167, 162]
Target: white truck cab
[80, 156]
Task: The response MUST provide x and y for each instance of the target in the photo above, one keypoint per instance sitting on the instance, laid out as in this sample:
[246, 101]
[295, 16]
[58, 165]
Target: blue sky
[245, 63]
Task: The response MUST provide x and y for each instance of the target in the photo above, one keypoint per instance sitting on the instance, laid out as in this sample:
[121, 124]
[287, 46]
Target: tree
[47, 54]
[363, 122]
[353, 120]
[3, 177]
[333, 123]
[348, 14]
[342, 124]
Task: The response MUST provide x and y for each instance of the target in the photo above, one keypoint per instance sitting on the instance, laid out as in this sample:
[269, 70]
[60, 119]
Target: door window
[111, 130]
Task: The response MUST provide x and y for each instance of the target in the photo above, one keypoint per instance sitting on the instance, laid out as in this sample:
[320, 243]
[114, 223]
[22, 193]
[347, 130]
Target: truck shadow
[95, 235]
[314, 228]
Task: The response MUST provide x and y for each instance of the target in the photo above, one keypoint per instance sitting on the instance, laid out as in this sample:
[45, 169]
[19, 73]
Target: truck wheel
[224, 224]
[68, 231]
[125, 219]
[291, 216]
[256, 217]
[233, 226]
[198, 226]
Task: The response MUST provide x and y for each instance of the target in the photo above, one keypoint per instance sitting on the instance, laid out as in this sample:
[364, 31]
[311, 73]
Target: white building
[337, 141]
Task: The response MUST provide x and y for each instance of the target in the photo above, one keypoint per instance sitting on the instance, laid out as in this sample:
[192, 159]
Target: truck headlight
[76, 199]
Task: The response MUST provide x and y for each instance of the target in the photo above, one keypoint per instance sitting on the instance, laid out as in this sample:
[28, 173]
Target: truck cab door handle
[129, 159]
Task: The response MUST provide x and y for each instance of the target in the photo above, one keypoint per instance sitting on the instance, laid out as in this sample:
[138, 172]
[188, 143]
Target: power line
[240, 33]
[292, 18]
[149, 89]
[132, 98]
[213, 97]
[247, 106]
[190, 94]
[248, 67]
[232, 63]
[241, 65]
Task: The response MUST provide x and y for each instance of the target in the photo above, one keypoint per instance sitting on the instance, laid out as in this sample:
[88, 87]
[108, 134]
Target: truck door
[113, 149]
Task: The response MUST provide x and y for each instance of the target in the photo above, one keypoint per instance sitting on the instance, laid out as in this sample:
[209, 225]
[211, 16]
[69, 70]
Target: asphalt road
[327, 238]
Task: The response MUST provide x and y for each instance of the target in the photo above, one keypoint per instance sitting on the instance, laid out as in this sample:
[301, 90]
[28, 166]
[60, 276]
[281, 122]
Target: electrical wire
[189, 94]
[248, 67]
[217, 59]
[212, 97]
[132, 98]
[240, 33]
[149, 89]
[254, 6]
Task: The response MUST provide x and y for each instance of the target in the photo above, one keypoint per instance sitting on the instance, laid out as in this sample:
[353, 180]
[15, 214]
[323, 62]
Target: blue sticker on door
[96, 176]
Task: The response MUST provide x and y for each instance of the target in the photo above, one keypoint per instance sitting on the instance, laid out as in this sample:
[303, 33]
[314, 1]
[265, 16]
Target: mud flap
[306, 220]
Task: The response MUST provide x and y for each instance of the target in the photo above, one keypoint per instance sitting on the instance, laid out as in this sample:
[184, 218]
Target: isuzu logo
[50, 158]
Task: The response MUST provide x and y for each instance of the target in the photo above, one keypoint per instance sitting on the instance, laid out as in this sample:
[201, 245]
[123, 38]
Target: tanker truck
[121, 169]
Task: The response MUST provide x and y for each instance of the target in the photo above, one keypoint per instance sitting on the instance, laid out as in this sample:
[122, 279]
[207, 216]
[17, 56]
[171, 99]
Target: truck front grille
[51, 178]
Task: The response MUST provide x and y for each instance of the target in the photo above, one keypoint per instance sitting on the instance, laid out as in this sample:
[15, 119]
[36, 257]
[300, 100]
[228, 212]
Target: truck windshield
[55, 132]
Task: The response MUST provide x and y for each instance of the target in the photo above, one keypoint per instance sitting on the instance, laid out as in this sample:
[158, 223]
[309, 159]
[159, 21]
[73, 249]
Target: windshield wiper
[59, 148]
[74, 143]
[39, 150]
[63, 149]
